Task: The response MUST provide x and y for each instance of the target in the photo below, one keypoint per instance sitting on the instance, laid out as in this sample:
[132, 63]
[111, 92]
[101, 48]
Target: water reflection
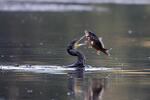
[91, 89]
[74, 86]
[13, 93]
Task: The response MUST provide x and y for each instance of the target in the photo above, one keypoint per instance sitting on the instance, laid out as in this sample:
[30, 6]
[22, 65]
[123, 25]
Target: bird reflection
[75, 82]
[72, 50]
[95, 90]
[85, 89]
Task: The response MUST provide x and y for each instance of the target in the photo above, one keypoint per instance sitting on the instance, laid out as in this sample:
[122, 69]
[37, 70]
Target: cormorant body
[72, 50]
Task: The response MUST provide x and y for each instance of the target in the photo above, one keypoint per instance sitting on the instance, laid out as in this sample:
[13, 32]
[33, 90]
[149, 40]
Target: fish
[95, 42]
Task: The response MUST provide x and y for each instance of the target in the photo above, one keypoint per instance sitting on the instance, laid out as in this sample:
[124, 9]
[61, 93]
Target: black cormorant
[72, 50]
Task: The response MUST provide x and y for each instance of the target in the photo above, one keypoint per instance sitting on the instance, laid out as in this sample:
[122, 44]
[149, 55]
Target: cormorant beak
[77, 42]
[77, 45]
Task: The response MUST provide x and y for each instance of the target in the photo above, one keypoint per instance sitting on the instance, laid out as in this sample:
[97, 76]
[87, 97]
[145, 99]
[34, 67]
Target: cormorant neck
[71, 49]
[80, 57]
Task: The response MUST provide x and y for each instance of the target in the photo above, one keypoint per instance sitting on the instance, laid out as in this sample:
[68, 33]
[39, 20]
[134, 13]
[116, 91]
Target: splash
[49, 69]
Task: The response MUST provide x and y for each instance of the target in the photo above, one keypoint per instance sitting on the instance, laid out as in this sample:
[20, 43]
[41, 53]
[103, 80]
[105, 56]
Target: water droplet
[41, 43]
[68, 93]
[130, 31]
[29, 91]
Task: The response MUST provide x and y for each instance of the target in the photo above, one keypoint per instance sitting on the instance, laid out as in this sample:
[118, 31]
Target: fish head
[87, 35]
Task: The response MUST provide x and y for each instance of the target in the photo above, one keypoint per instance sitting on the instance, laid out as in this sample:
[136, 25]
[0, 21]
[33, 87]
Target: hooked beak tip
[77, 45]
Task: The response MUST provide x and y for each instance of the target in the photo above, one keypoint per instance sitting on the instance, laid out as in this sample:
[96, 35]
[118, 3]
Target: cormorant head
[74, 44]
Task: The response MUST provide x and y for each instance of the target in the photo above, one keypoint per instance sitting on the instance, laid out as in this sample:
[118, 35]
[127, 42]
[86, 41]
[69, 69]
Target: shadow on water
[78, 89]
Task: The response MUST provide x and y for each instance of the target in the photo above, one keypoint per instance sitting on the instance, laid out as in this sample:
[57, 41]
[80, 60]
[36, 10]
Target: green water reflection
[40, 38]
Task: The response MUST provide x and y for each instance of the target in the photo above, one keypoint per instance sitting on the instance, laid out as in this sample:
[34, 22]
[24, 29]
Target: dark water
[40, 38]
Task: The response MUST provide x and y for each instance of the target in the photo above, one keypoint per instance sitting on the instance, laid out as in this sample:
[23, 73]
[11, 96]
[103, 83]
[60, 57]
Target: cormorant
[72, 50]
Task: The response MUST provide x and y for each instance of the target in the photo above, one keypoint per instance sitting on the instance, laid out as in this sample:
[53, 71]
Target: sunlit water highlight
[32, 7]
[51, 69]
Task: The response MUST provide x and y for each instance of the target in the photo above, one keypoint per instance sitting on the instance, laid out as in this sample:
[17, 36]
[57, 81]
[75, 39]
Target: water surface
[38, 37]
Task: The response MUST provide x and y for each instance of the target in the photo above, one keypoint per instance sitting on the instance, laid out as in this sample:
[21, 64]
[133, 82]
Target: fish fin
[106, 51]
[98, 52]
[100, 39]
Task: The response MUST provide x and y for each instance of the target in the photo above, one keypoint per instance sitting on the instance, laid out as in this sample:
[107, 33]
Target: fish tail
[106, 51]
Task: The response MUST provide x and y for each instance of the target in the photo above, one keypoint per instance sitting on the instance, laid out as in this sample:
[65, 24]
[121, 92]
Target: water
[33, 44]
